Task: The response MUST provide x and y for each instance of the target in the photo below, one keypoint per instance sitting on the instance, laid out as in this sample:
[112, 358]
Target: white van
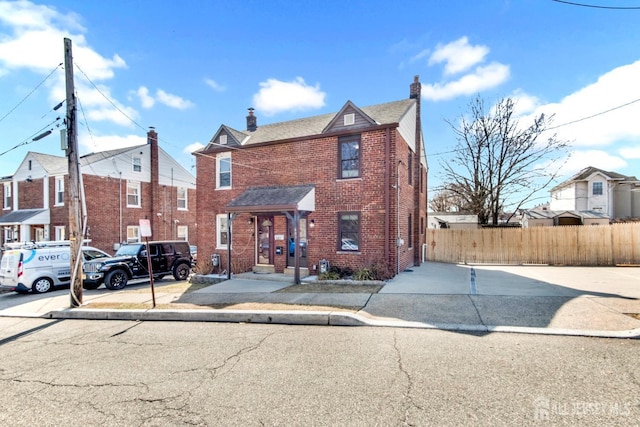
[41, 266]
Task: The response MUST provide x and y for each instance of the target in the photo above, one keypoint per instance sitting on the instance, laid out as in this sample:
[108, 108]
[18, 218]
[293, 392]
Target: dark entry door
[265, 240]
[291, 260]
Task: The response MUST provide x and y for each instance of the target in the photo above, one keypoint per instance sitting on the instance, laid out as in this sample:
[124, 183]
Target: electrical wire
[594, 115]
[33, 138]
[30, 93]
[597, 6]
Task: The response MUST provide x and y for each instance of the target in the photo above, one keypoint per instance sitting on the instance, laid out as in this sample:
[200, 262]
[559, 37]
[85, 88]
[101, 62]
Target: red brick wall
[104, 196]
[30, 194]
[314, 162]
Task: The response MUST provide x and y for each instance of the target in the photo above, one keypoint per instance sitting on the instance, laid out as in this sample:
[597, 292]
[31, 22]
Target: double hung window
[349, 231]
[223, 168]
[349, 153]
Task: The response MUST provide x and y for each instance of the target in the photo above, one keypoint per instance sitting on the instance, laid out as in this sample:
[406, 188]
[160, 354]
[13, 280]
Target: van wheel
[181, 271]
[41, 285]
[115, 280]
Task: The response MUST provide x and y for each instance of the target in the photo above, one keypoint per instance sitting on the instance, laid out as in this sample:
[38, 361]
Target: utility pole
[75, 232]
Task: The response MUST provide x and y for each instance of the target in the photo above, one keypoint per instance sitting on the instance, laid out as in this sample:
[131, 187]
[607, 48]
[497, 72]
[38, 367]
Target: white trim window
[59, 192]
[223, 170]
[222, 235]
[182, 233]
[133, 233]
[7, 196]
[136, 164]
[182, 198]
[60, 232]
[133, 194]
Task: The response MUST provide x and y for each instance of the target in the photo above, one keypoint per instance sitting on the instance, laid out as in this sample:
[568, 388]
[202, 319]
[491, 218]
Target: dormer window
[349, 119]
[223, 139]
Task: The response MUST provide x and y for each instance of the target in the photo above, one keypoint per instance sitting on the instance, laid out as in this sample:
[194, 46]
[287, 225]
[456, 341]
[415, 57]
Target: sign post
[145, 231]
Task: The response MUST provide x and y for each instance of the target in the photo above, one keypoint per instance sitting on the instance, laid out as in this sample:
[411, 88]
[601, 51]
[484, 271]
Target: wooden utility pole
[75, 221]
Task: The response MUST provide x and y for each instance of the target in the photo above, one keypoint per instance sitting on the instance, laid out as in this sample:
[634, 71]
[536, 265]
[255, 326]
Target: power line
[597, 6]
[38, 135]
[30, 93]
[594, 115]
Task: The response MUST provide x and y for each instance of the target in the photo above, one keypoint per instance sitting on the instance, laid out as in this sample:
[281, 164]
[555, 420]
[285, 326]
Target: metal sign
[145, 228]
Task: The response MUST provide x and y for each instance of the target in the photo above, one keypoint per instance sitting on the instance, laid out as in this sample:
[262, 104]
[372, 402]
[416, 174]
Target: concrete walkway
[588, 301]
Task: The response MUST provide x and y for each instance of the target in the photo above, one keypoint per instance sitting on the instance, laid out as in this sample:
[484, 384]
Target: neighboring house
[539, 217]
[121, 187]
[452, 220]
[348, 187]
[609, 193]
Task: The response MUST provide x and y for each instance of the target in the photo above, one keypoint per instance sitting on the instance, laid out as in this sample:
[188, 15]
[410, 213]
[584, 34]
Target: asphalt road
[76, 372]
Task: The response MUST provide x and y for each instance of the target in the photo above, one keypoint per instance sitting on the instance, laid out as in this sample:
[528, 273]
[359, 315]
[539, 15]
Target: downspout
[387, 195]
[398, 217]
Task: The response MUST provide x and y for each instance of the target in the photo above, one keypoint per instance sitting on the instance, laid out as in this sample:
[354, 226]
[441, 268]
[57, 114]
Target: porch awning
[301, 198]
[26, 216]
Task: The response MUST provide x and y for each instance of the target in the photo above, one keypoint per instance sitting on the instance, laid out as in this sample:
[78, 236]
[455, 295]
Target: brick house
[348, 187]
[121, 187]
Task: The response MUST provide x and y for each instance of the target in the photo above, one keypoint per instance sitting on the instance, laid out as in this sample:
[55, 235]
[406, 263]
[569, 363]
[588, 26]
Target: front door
[265, 240]
[291, 259]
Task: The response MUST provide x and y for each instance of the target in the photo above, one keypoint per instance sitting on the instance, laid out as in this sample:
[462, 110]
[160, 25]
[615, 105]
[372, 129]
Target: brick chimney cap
[416, 78]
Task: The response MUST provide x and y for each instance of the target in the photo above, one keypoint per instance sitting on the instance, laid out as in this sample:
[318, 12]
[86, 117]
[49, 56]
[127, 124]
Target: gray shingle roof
[277, 198]
[20, 216]
[390, 112]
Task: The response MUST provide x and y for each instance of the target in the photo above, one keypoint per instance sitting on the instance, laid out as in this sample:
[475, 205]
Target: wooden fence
[616, 244]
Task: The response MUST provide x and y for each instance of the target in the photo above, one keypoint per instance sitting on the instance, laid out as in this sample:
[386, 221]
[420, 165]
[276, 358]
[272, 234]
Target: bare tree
[498, 161]
[447, 200]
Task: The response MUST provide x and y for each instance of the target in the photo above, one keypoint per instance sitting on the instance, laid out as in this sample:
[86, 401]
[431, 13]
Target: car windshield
[126, 250]
[90, 254]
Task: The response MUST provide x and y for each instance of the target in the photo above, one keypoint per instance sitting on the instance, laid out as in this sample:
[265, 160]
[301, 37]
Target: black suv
[130, 262]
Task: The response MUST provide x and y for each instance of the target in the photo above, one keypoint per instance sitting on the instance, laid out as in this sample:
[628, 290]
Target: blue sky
[187, 67]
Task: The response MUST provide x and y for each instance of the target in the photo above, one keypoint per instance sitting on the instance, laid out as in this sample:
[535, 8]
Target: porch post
[296, 250]
[228, 245]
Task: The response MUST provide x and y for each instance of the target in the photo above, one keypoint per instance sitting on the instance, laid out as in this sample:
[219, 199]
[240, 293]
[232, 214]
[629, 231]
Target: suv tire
[116, 279]
[181, 271]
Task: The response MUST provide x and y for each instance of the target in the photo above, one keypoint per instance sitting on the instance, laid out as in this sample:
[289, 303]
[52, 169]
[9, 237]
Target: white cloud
[193, 147]
[276, 96]
[630, 152]
[146, 100]
[601, 159]
[461, 57]
[173, 101]
[524, 103]
[613, 89]
[40, 31]
[214, 85]
[458, 56]
[485, 77]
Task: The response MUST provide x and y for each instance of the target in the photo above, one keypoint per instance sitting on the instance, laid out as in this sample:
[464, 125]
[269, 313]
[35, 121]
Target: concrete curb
[317, 318]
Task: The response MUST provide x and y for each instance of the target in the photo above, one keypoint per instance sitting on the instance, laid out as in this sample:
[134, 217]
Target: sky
[188, 67]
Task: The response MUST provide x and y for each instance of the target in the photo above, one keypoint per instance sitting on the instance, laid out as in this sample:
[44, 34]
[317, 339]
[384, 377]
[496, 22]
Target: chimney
[252, 121]
[414, 88]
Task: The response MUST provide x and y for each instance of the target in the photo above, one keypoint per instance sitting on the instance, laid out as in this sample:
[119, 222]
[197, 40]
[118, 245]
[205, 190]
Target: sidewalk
[585, 301]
